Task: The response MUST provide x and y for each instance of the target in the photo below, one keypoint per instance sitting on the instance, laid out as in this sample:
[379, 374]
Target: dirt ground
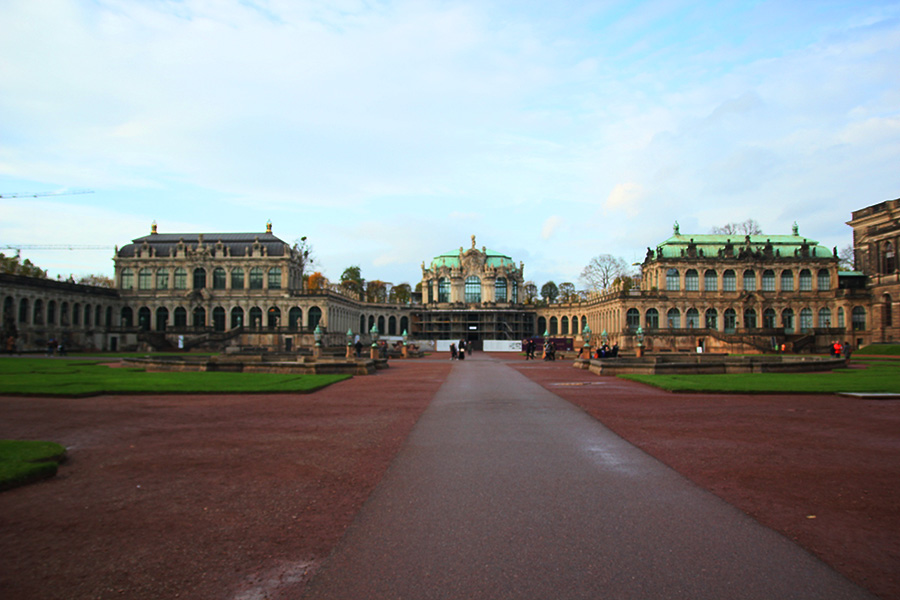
[241, 497]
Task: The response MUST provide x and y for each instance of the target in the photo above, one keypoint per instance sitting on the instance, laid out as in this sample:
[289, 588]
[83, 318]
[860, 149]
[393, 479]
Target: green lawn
[61, 377]
[880, 349]
[878, 376]
[22, 462]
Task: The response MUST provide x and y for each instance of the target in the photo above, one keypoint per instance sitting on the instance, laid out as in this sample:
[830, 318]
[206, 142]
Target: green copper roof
[492, 259]
[715, 245]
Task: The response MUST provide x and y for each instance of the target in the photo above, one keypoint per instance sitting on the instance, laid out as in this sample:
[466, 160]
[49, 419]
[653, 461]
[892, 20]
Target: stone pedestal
[405, 351]
[317, 352]
[350, 352]
[640, 352]
[373, 352]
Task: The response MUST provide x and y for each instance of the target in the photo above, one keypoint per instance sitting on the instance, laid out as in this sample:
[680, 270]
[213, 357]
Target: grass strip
[24, 461]
[879, 350]
[877, 377]
[42, 377]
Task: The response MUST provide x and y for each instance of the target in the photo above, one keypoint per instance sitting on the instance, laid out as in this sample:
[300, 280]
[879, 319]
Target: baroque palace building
[232, 291]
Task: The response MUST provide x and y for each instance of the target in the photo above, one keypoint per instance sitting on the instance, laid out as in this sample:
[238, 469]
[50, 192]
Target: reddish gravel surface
[241, 497]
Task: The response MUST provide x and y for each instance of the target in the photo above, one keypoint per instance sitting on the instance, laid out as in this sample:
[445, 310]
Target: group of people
[839, 349]
[604, 351]
[459, 352]
[530, 346]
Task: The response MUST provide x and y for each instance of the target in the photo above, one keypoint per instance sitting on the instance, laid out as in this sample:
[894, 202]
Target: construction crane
[38, 194]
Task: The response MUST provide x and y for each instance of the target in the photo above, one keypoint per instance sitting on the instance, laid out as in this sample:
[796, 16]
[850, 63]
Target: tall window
[273, 317]
[673, 318]
[144, 318]
[553, 330]
[858, 318]
[145, 278]
[769, 318]
[275, 278]
[729, 320]
[500, 289]
[219, 314]
[38, 317]
[162, 279]
[787, 281]
[633, 318]
[652, 318]
[768, 280]
[841, 317]
[564, 326]
[692, 318]
[126, 279]
[180, 317]
[199, 317]
[162, 316]
[824, 282]
[237, 317]
[787, 320]
[691, 281]
[199, 279]
[473, 289]
[295, 318]
[890, 263]
[515, 292]
[256, 278]
[314, 315]
[824, 317]
[712, 318]
[888, 317]
[805, 281]
[237, 279]
[23, 311]
[749, 280]
[711, 281]
[180, 279]
[255, 317]
[443, 290]
[750, 318]
[219, 278]
[806, 320]
[672, 280]
[729, 281]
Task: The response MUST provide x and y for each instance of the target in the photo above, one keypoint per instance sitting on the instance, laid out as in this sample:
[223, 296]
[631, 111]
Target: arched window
[749, 280]
[87, 315]
[673, 281]
[890, 263]
[145, 279]
[255, 318]
[127, 317]
[692, 318]
[858, 318]
[404, 324]
[381, 327]
[180, 317]
[273, 317]
[162, 317]
[392, 326]
[23, 310]
[691, 281]
[729, 320]
[162, 279]
[841, 317]
[473, 289]
[651, 319]
[64, 314]
[109, 316]
[237, 317]
[583, 323]
[199, 320]
[219, 279]
[769, 318]
[362, 324]
[806, 320]
[98, 314]
[824, 282]
[633, 318]
[711, 281]
[750, 318]
[711, 319]
[38, 317]
[824, 317]
[887, 314]
[515, 292]
[8, 311]
[51, 313]
[500, 289]
[371, 323]
[256, 278]
[805, 281]
[237, 279]
[199, 279]
[787, 281]
[443, 290]
[180, 279]
[219, 312]
[768, 280]
[76, 314]
[787, 320]
[729, 281]
[542, 325]
[564, 326]
[274, 278]
[126, 279]
[673, 318]
[295, 318]
[553, 329]
[314, 315]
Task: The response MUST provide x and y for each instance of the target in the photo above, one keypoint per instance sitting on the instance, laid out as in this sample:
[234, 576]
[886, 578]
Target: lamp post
[639, 334]
[586, 334]
[405, 342]
[546, 341]
[349, 343]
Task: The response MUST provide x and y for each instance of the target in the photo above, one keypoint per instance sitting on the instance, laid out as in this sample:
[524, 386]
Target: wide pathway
[504, 490]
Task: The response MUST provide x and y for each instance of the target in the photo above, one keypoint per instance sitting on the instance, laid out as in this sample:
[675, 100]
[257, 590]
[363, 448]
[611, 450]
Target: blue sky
[390, 132]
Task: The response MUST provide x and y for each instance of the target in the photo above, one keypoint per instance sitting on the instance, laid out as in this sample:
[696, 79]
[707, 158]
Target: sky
[388, 132]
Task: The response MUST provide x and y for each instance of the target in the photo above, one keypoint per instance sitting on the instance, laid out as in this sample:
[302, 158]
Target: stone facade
[876, 237]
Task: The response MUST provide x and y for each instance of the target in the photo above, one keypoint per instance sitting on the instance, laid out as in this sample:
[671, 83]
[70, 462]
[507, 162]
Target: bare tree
[748, 227]
[531, 292]
[601, 271]
[846, 258]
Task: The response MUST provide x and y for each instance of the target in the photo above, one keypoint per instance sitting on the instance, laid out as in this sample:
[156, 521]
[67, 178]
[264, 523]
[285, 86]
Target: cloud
[625, 198]
[551, 225]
